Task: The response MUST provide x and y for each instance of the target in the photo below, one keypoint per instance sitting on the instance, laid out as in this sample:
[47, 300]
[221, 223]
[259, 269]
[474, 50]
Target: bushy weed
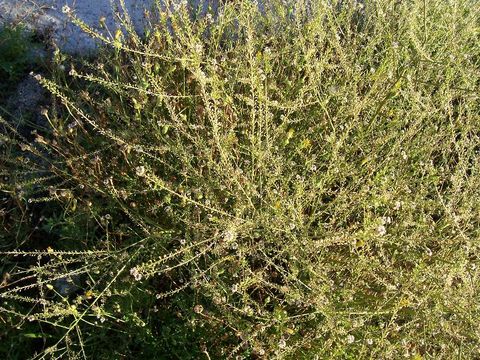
[283, 181]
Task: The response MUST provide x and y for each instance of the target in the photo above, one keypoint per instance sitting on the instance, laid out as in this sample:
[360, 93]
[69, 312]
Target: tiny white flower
[66, 9]
[198, 48]
[140, 171]
[398, 205]
[350, 339]
[136, 274]
[381, 230]
[282, 344]
[229, 236]
[386, 220]
[201, 76]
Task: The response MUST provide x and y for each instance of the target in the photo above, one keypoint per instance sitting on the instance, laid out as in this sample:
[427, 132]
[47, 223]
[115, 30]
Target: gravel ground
[46, 16]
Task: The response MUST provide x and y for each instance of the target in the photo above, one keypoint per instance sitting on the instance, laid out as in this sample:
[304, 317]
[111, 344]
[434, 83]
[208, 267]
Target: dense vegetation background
[284, 181]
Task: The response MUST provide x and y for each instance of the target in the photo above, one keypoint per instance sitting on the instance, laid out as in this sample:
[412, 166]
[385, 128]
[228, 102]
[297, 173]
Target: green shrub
[294, 183]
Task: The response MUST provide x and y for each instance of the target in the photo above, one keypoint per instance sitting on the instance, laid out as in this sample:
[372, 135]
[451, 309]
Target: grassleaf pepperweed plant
[260, 182]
